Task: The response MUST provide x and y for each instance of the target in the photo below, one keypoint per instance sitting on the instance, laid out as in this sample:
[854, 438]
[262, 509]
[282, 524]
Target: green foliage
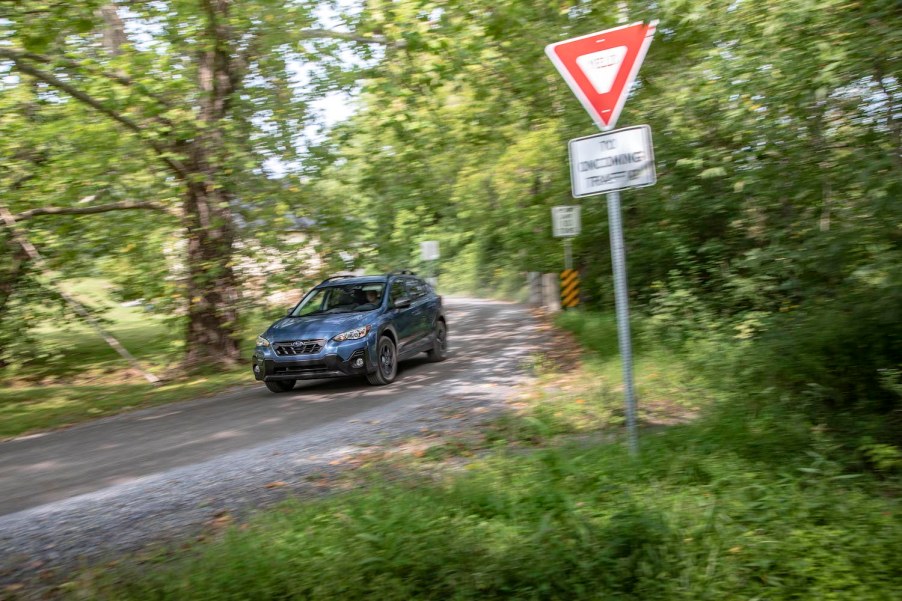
[726, 508]
[102, 102]
[776, 125]
[595, 331]
[770, 247]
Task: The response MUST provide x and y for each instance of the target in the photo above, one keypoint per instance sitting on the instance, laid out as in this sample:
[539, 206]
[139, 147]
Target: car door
[422, 312]
[402, 317]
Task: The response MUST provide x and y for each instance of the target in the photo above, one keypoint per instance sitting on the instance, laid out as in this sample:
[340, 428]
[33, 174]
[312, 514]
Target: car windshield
[346, 298]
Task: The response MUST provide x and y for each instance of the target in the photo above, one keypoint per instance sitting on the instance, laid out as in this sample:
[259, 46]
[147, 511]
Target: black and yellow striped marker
[569, 288]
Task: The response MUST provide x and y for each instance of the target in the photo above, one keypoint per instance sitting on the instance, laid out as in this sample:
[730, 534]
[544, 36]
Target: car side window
[417, 288]
[398, 290]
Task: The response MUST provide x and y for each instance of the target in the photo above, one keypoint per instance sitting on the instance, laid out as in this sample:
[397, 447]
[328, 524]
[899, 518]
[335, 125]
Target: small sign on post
[615, 160]
[429, 250]
[565, 221]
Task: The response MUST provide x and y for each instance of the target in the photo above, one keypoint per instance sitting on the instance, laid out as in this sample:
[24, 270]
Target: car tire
[439, 350]
[280, 385]
[386, 363]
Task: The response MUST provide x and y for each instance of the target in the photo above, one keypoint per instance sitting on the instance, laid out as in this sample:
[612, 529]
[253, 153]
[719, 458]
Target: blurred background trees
[775, 224]
[774, 229]
[179, 102]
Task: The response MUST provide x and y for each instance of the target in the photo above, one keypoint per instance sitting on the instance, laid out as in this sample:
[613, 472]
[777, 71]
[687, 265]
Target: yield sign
[600, 67]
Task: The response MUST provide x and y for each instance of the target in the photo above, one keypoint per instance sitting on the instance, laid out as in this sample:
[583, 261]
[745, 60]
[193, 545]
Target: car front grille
[308, 369]
[298, 347]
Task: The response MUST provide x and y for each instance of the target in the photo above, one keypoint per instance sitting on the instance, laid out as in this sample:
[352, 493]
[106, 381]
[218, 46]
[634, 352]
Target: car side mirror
[402, 303]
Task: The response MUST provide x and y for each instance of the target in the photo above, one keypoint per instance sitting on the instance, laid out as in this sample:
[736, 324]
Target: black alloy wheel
[387, 363]
[439, 350]
[280, 385]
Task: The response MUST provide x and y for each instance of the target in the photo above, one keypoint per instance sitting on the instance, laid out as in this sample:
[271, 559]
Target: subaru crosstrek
[353, 325]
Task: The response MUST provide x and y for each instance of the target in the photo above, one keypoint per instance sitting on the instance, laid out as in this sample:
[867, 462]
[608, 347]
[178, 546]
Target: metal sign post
[568, 253]
[566, 223]
[605, 164]
[600, 69]
[621, 301]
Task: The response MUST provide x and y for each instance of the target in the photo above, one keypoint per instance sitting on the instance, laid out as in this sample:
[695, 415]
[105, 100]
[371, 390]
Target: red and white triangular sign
[600, 67]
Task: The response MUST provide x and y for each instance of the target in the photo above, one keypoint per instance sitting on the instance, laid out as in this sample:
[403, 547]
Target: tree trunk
[212, 288]
[114, 36]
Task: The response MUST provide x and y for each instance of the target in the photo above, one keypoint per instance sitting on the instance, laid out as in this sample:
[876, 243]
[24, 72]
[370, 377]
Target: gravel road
[90, 493]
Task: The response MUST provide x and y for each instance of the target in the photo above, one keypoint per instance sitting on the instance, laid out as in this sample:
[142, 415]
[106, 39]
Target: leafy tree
[201, 94]
[777, 134]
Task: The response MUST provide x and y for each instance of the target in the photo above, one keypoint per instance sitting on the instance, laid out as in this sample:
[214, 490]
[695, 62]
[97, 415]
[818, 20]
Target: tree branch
[125, 205]
[34, 11]
[18, 183]
[52, 80]
[312, 34]
[74, 64]
[23, 13]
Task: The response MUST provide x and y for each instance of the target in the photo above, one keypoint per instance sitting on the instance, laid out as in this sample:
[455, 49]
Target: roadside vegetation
[68, 374]
[726, 500]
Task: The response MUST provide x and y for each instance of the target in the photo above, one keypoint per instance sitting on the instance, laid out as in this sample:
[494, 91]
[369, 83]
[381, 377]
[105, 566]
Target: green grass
[745, 502]
[81, 378]
[703, 514]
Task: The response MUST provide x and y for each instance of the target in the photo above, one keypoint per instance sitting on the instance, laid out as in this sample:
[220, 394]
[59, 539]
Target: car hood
[312, 327]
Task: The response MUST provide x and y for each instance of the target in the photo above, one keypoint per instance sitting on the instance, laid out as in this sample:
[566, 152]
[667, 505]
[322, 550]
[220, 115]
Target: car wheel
[386, 363]
[439, 350]
[280, 385]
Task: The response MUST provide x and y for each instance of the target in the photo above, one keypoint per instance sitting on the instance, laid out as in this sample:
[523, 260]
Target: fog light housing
[358, 362]
[256, 368]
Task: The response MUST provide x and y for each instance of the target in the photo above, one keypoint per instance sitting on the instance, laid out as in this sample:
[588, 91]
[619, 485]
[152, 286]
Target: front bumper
[347, 360]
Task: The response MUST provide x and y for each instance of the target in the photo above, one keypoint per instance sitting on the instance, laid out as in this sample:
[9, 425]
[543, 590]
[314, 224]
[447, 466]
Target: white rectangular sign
[565, 221]
[611, 161]
[429, 250]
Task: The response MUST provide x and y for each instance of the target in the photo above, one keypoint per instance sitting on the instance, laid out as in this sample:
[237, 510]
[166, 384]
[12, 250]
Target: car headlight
[261, 341]
[353, 334]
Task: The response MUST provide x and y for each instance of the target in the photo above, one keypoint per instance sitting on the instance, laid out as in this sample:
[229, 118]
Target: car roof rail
[403, 272]
[337, 277]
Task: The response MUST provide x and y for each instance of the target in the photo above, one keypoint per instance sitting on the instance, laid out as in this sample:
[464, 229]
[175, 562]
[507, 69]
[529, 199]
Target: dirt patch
[561, 352]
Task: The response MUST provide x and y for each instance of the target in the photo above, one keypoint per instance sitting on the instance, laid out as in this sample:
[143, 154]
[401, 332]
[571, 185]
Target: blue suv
[353, 325]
